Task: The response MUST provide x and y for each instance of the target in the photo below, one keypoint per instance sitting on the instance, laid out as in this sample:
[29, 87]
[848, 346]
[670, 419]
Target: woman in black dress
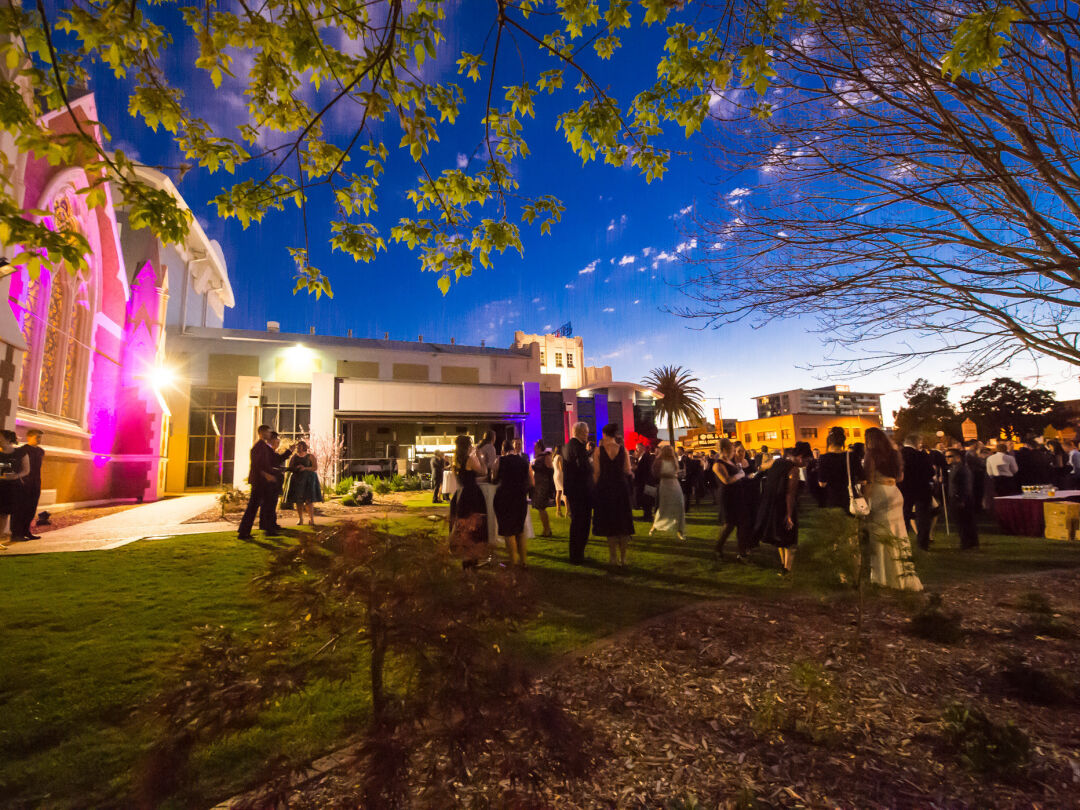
[304, 489]
[543, 493]
[612, 515]
[733, 495]
[833, 472]
[468, 509]
[513, 479]
[777, 520]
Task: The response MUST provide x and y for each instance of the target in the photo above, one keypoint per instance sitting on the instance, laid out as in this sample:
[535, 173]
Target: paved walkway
[158, 519]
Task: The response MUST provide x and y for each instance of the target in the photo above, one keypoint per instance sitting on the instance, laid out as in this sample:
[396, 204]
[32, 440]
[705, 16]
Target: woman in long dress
[513, 479]
[304, 489]
[557, 481]
[670, 506]
[890, 547]
[777, 520]
[543, 492]
[613, 517]
[468, 508]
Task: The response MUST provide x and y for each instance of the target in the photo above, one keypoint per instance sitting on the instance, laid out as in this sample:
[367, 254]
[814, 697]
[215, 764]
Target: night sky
[611, 267]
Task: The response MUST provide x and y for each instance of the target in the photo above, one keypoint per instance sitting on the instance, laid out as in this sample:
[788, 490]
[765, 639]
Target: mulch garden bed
[72, 517]
[328, 511]
[759, 703]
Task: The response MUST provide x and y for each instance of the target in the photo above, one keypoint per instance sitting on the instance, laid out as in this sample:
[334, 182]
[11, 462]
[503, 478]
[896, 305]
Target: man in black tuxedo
[577, 486]
[274, 491]
[917, 488]
[961, 491]
[30, 494]
[695, 477]
[261, 479]
[643, 477]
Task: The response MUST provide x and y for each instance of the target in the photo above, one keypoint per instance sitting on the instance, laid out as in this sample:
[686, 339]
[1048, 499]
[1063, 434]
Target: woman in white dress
[670, 506]
[560, 499]
[890, 547]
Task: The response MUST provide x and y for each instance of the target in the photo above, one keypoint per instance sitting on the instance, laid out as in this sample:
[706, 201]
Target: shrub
[983, 745]
[809, 708]
[363, 494]
[935, 624]
[344, 486]
[1025, 682]
[1042, 621]
[229, 496]
[349, 500]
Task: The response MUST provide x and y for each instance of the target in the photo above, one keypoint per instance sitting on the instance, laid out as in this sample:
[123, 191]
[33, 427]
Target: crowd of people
[20, 484]
[290, 476]
[901, 492]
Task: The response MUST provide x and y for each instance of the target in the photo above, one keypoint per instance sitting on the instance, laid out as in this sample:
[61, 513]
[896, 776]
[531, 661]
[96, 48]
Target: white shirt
[1001, 465]
[1074, 461]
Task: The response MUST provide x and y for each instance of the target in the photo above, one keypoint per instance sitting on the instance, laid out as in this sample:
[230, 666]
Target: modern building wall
[833, 399]
[781, 432]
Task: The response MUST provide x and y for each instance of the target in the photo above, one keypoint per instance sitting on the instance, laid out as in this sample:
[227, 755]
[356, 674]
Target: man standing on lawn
[961, 492]
[577, 484]
[262, 480]
[30, 494]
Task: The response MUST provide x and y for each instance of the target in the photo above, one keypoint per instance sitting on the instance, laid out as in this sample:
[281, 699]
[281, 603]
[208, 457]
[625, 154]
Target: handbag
[857, 504]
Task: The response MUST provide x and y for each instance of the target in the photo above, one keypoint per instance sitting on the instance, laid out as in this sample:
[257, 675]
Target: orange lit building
[781, 432]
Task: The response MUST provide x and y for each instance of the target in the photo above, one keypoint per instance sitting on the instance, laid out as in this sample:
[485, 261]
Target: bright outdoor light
[160, 377]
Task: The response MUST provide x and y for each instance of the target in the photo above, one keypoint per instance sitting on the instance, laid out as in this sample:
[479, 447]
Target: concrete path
[163, 518]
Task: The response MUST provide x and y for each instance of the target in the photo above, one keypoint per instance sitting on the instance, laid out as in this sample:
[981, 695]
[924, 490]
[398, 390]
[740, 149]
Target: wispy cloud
[662, 257]
[536, 300]
[687, 246]
[616, 224]
[570, 286]
[462, 160]
[609, 309]
[738, 193]
[637, 300]
[625, 260]
[682, 212]
[589, 268]
[647, 252]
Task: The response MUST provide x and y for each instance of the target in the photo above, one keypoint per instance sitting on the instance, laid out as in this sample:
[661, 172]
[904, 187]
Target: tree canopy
[298, 61]
[910, 207]
[928, 410]
[1005, 407]
[680, 395]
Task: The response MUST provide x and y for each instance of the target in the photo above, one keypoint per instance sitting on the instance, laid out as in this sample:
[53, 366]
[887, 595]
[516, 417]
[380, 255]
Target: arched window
[56, 324]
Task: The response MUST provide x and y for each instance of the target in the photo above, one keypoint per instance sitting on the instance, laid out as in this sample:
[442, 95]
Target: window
[542, 361]
[747, 438]
[56, 324]
[785, 434]
[770, 434]
[857, 432]
[569, 360]
[761, 437]
[808, 433]
[211, 437]
[287, 409]
[558, 360]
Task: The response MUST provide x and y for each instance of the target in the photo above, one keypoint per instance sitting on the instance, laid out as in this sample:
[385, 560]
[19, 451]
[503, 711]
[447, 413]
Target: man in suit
[268, 512]
[643, 477]
[961, 495]
[261, 479]
[917, 488]
[30, 494]
[577, 486]
[1034, 464]
[692, 483]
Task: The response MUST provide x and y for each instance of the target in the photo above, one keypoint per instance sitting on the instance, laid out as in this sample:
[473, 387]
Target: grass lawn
[87, 637]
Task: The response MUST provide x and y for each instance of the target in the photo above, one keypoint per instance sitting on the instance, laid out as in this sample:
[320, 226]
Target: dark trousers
[436, 488]
[964, 515]
[255, 501]
[268, 510]
[22, 515]
[645, 502]
[920, 508]
[580, 520]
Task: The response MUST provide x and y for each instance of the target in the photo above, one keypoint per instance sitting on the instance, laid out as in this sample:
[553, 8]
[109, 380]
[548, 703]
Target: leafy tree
[296, 62]
[909, 207]
[1007, 408]
[681, 397]
[928, 410]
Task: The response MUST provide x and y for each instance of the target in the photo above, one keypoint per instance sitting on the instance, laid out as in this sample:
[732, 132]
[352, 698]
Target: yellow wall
[179, 400]
[794, 424]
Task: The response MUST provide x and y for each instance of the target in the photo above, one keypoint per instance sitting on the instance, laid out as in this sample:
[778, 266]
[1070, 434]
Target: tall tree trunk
[671, 428]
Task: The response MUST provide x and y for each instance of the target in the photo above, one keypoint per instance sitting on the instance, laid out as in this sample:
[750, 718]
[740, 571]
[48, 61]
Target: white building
[837, 400]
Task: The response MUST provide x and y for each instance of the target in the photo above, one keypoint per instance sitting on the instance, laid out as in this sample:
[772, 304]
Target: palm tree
[681, 398]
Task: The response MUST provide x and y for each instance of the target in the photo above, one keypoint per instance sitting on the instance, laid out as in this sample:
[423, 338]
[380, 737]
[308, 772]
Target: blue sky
[611, 267]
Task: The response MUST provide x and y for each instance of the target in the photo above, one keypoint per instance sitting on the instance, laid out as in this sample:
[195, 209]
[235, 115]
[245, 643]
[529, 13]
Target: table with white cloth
[1024, 514]
[493, 522]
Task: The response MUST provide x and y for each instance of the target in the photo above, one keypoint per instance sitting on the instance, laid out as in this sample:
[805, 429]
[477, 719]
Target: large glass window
[287, 409]
[211, 437]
